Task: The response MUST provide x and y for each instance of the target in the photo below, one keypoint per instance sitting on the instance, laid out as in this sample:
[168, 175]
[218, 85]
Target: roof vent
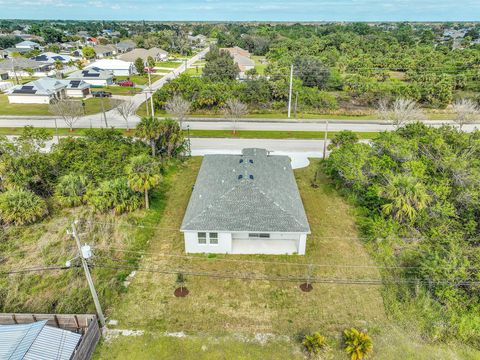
[240, 177]
[251, 177]
[241, 161]
[250, 161]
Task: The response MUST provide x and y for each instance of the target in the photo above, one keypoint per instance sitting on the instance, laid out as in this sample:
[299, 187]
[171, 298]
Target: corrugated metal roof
[36, 341]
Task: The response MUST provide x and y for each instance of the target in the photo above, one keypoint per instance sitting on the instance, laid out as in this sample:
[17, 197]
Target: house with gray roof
[125, 46]
[156, 53]
[18, 66]
[93, 76]
[245, 204]
[27, 44]
[46, 90]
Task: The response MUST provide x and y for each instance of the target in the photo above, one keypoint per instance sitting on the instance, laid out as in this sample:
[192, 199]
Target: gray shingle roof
[254, 191]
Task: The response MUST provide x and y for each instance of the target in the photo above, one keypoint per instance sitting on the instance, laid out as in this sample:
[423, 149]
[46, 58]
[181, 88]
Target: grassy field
[138, 79]
[120, 90]
[221, 317]
[92, 106]
[168, 64]
[194, 71]
[259, 65]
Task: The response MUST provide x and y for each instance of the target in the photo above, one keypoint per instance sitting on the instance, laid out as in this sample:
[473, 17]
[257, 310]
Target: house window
[259, 236]
[202, 238]
[213, 238]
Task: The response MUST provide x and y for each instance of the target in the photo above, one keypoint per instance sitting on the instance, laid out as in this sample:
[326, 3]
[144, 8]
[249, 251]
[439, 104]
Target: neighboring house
[27, 44]
[10, 52]
[244, 63]
[41, 91]
[245, 204]
[18, 66]
[83, 34]
[117, 67]
[103, 51]
[91, 41]
[242, 58]
[125, 46]
[156, 53]
[93, 76]
[198, 40]
[236, 51]
[37, 341]
[51, 57]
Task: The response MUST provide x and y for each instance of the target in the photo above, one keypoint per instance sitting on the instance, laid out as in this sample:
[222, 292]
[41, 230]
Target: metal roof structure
[91, 73]
[254, 192]
[47, 86]
[36, 341]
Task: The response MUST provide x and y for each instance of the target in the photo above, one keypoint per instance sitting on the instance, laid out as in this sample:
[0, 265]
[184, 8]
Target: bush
[357, 344]
[21, 207]
[315, 343]
[71, 189]
[114, 195]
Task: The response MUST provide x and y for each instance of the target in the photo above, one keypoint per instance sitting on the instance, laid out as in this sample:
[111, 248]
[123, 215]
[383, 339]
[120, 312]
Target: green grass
[139, 79]
[119, 90]
[260, 134]
[169, 64]
[194, 71]
[258, 64]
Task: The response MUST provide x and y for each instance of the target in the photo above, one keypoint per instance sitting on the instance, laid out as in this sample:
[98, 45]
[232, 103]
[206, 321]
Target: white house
[30, 45]
[93, 76]
[245, 204]
[117, 67]
[45, 90]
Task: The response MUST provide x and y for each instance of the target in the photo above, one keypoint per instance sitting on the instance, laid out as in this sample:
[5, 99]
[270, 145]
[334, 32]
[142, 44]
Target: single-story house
[44, 90]
[91, 41]
[37, 341]
[245, 204]
[11, 51]
[156, 53]
[41, 91]
[51, 57]
[244, 63]
[18, 66]
[27, 44]
[93, 76]
[236, 50]
[103, 51]
[117, 67]
[198, 40]
[125, 46]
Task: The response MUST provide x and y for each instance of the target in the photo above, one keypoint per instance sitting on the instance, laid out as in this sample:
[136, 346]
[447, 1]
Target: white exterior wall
[122, 72]
[98, 82]
[80, 93]
[224, 245]
[240, 243]
[28, 99]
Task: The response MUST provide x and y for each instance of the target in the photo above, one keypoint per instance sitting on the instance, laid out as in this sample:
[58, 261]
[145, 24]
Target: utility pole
[104, 115]
[146, 103]
[290, 92]
[98, 307]
[296, 104]
[325, 141]
[151, 92]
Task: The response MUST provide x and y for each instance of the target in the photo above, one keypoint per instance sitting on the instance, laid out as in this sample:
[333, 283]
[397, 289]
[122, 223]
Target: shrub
[314, 343]
[21, 207]
[71, 189]
[357, 344]
[114, 195]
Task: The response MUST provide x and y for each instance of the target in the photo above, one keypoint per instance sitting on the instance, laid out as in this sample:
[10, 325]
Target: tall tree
[143, 174]
[178, 107]
[400, 112]
[235, 109]
[149, 129]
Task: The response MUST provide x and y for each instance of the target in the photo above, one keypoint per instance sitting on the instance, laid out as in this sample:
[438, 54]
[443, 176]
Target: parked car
[101, 94]
[128, 83]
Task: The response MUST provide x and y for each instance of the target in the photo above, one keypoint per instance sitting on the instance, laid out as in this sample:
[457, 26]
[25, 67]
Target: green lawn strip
[258, 64]
[92, 106]
[139, 79]
[243, 134]
[169, 64]
[119, 90]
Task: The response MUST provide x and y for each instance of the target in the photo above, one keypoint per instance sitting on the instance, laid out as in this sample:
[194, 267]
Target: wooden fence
[85, 324]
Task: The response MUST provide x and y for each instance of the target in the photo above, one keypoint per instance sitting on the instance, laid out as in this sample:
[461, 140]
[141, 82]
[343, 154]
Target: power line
[37, 269]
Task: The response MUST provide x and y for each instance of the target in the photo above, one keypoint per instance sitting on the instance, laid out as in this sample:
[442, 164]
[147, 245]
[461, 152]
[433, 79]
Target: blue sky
[237, 10]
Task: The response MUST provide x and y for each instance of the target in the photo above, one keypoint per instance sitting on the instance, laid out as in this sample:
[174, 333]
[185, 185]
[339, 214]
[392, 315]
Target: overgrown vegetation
[417, 192]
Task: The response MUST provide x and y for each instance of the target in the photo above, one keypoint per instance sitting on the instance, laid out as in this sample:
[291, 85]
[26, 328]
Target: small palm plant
[315, 343]
[357, 344]
[143, 174]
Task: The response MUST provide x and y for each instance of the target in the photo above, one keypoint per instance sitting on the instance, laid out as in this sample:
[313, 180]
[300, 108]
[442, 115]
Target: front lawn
[120, 90]
[138, 79]
[92, 106]
[168, 64]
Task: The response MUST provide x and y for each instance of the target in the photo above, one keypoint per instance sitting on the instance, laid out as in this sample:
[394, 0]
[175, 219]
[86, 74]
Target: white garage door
[257, 246]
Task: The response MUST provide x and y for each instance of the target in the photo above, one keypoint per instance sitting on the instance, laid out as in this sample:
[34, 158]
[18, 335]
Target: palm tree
[143, 173]
[149, 129]
[406, 196]
[21, 207]
[71, 189]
